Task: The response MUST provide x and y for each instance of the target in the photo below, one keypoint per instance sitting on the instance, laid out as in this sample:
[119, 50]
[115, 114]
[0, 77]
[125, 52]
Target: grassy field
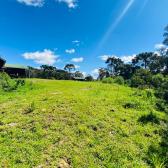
[80, 125]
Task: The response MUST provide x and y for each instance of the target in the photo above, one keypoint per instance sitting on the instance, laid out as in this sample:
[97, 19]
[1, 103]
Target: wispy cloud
[159, 46]
[104, 57]
[113, 26]
[145, 1]
[46, 57]
[77, 59]
[70, 51]
[76, 41]
[125, 59]
[34, 3]
[71, 3]
[40, 3]
[76, 66]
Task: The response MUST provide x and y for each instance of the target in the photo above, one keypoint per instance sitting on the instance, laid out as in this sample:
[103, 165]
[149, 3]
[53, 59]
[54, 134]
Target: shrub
[142, 78]
[157, 80]
[108, 80]
[8, 84]
[119, 80]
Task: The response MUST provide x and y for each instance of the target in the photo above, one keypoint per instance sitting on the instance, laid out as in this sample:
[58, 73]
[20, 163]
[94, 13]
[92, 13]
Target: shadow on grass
[149, 118]
[157, 156]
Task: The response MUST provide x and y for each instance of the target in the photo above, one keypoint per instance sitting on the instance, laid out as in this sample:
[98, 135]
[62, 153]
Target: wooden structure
[14, 71]
[78, 79]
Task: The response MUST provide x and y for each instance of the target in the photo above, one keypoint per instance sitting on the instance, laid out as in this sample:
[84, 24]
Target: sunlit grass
[77, 124]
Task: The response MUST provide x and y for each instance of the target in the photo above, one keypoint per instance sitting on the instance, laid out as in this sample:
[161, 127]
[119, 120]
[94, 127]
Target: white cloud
[77, 44]
[127, 59]
[76, 66]
[70, 51]
[84, 74]
[71, 3]
[46, 57]
[159, 46]
[32, 2]
[104, 57]
[55, 49]
[95, 73]
[77, 59]
[76, 41]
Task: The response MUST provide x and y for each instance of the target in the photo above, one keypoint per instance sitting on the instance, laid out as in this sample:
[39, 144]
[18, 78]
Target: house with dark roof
[78, 79]
[14, 71]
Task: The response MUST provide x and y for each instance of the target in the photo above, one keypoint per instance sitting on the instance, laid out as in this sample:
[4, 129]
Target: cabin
[78, 79]
[14, 71]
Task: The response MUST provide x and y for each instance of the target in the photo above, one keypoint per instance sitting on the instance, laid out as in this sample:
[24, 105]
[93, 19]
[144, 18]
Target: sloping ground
[79, 124]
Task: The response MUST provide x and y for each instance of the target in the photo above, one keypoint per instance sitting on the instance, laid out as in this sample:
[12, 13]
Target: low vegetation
[82, 124]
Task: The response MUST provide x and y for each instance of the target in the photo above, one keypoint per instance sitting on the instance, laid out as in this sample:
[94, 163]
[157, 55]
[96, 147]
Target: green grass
[79, 124]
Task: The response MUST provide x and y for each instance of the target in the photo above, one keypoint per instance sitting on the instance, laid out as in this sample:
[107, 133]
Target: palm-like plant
[112, 63]
[143, 59]
[69, 67]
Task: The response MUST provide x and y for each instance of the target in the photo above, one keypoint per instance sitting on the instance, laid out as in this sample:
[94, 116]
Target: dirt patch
[43, 110]
[7, 103]
[12, 124]
[56, 93]
[63, 163]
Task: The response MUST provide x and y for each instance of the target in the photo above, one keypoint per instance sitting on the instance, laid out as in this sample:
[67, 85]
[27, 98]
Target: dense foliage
[8, 85]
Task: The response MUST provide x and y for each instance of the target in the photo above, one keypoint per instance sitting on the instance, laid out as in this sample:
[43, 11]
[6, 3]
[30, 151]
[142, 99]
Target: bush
[8, 84]
[142, 79]
[119, 80]
[108, 80]
[157, 80]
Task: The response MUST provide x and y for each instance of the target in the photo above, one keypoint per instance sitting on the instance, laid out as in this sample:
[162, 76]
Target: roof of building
[78, 78]
[15, 66]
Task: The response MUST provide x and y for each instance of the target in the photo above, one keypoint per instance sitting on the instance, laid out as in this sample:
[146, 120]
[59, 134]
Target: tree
[142, 59]
[89, 78]
[69, 67]
[78, 74]
[103, 72]
[165, 42]
[113, 63]
[127, 70]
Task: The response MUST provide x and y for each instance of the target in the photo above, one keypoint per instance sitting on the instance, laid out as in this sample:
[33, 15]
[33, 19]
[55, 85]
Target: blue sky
[83, 32]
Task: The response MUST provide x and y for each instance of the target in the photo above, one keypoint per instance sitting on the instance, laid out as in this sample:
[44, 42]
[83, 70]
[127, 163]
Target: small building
[78, 79]
[14, 71]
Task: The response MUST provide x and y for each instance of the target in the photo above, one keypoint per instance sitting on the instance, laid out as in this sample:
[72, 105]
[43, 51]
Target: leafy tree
[78, 74]
[142, 59]
[157, 64]
[69, 67]
[113, 63]
[165, 42]
[142, 78]
[103, 72]
[89, 78]
[127, 70]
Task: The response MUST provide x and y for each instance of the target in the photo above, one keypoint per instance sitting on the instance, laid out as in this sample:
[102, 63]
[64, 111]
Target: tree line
[51, 72]
[154, 62]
